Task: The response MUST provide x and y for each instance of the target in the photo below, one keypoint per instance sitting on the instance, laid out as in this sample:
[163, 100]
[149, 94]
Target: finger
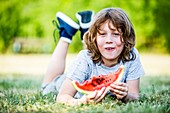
[124, 86]
[90, 101]
[120, 83]
[86, 100]
[101, 94]
[119, 96]
[121, 87]
[116, 87]
[111, 88]
[118, 92]
[92, 95]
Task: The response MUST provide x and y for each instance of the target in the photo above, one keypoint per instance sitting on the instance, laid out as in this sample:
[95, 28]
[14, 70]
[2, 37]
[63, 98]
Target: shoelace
[57, 28]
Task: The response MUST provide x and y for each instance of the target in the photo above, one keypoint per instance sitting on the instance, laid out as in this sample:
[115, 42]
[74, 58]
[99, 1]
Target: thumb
[92, 95]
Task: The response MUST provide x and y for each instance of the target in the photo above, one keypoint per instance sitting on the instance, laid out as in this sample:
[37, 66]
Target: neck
[110, 63]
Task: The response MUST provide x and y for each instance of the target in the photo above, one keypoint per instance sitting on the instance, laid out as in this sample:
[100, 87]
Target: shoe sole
[84, 25]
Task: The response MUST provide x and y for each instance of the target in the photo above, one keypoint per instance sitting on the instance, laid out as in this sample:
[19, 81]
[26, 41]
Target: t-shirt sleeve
[78, 70]
[135, 69]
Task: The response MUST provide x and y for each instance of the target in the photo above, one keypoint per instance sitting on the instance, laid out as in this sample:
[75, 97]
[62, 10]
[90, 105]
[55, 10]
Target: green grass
[22, 94]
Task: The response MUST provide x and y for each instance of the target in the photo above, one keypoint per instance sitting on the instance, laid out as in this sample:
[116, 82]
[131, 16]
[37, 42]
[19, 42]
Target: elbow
[135, 97]
[59, 99]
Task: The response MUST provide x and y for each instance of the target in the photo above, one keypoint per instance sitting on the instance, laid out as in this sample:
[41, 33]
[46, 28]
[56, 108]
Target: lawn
[21, 92]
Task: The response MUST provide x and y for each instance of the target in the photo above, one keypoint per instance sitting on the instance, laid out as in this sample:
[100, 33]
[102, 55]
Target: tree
[162, 24]
[10, 20]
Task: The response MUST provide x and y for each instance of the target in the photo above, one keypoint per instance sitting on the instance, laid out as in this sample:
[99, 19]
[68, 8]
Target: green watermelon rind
[121, 74]
[88, 92]
[80, 90]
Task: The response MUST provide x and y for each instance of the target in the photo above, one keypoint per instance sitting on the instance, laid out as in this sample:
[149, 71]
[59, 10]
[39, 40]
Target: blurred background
[26, 32]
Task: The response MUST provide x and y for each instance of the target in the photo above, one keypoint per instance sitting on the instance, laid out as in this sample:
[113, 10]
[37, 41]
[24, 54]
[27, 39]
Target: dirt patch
[37, 64]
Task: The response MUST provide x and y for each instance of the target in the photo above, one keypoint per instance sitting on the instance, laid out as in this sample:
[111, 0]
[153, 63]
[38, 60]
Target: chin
[110, 58]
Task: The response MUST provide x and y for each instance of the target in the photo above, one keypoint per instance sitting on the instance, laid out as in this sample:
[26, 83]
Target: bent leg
[57, 62]
[67, 28]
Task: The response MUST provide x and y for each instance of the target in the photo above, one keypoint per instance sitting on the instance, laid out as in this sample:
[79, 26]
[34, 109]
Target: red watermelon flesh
[98, 82]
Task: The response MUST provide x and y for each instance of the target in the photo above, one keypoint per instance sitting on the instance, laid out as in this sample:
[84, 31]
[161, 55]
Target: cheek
[99, 42]
[120, 47]
[118, 42]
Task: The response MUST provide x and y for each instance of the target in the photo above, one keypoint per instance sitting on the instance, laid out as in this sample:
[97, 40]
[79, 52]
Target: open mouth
[109, 48]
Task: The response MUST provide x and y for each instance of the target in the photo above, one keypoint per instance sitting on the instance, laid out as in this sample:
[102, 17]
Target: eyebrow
[113, 29]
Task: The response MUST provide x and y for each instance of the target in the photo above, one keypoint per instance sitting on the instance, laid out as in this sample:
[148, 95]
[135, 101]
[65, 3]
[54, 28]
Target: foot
[67, 27]
[85, 19]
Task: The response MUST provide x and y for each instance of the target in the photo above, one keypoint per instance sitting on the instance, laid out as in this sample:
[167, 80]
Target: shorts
[54, 86]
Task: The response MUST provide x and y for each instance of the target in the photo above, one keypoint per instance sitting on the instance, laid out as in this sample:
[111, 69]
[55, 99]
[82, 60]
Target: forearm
[133, 90]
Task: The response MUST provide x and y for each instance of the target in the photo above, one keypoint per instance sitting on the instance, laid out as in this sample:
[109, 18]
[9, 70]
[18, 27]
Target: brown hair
[121, 21]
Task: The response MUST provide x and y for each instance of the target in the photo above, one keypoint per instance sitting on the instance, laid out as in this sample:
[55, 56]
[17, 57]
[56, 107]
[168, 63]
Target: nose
[109, 39]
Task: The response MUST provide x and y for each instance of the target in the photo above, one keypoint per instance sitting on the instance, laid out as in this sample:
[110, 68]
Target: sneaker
[67, 27]
[85, 19]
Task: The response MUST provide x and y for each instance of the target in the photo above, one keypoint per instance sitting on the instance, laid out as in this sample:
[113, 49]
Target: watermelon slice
[97, 82]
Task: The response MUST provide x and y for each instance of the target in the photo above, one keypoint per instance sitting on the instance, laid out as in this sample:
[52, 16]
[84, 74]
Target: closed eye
[116, 34]
[102, 33]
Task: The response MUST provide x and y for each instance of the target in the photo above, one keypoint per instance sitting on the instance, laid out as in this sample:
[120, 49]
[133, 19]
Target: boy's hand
[119, 89]
[95, 96]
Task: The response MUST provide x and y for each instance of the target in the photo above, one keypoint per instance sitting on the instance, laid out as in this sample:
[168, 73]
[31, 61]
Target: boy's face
[109, 44]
